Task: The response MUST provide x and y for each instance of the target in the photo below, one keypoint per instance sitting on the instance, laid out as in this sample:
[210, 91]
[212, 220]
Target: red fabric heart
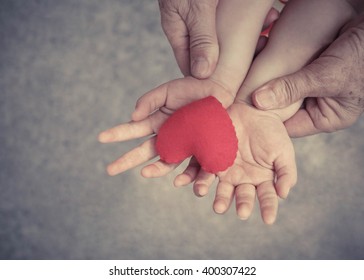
[202, 129]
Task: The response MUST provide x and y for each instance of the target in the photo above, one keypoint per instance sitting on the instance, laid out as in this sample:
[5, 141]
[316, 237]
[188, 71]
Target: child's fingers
[150, 102]
[133, 129]
[158, 169]
[268, 201]
[133, 158]
[203, 182]
[286, 171]
[126, 131]
[223, 198]
[189, 174]
[193, 172]
[244, 200]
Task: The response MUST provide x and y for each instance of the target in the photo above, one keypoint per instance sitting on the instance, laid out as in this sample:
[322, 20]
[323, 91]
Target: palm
[151, 112]
[265, 162]
[177, 93]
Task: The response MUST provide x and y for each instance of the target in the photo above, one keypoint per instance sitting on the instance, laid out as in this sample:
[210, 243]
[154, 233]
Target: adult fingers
[336, 71]
[301, 123]
[177, 33]
[315, 80]
[201, 25]
[322, 115]
[194, 41]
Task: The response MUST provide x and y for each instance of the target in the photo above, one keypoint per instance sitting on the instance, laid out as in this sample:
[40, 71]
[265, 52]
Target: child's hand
[151, 111]
[265, 164]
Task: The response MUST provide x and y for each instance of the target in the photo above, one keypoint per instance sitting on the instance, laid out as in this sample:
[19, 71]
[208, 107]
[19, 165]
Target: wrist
[222, 91]
[227, 78]
[250, 113]
[283, 114]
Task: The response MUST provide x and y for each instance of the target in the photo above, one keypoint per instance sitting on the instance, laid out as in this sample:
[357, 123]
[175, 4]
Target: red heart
[202, 129]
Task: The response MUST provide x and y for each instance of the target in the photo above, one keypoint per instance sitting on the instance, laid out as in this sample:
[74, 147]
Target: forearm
[304, 30]
[239, 25]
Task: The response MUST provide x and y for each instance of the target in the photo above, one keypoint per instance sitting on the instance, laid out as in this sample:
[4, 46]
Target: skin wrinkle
[336, 85]
[203, 40]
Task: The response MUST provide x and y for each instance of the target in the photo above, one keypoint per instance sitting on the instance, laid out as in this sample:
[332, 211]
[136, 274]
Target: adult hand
[191, 30]
[190, 27]
[332, 84]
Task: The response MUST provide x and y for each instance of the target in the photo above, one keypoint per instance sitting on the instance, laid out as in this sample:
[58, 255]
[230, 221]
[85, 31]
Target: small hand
[265, 164]
[151, 111]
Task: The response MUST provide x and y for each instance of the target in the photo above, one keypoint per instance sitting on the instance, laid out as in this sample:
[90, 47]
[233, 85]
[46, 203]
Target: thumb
[314, 80]
[204, 48]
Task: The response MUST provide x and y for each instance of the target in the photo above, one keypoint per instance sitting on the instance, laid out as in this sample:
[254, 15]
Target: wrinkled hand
[190, 27]
[151, 111]
[191, 30]
[265, 164]
[333, 86]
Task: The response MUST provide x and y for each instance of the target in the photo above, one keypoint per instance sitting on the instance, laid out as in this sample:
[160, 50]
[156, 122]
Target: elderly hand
[333, 86]
[191, 30]
[190, 27]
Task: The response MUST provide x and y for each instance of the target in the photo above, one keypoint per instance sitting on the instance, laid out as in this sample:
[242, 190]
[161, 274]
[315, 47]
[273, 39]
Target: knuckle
[333, 116]
[268, 201]
[201, 41]
[324, 76]
[356, 38]
[202, 6]
[267, 198]
[246, 199]
[325, 125]
[285, 91]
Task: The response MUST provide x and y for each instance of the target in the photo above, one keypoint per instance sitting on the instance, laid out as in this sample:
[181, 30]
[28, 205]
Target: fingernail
[200, 67]
[265, 98]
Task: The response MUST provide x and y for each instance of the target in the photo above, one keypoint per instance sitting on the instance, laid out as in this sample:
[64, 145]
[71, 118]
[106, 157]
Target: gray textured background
[69, 69]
